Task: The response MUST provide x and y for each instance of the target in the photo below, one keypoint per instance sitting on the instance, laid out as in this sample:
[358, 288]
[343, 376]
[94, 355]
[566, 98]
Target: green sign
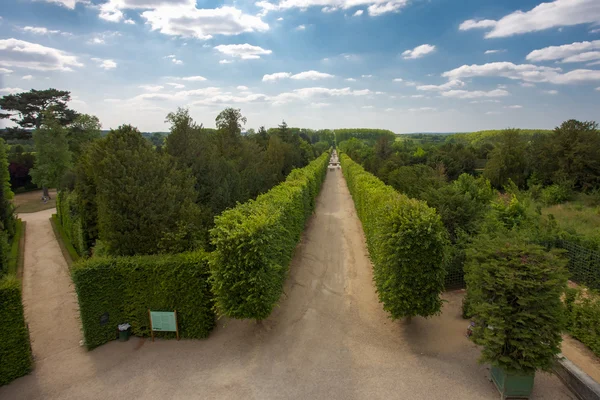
[164, 321]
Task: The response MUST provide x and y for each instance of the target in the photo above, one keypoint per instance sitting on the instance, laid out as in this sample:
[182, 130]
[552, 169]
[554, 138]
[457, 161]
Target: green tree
[7, 217]
[84, 129]
[28, 109]
[53, 157]
[508, 160]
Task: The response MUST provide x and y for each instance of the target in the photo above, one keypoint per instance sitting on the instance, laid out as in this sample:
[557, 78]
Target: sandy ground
[30, 202]
[329, 339]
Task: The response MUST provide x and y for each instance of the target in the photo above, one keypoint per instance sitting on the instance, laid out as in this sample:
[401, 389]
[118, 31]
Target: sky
[403, 65]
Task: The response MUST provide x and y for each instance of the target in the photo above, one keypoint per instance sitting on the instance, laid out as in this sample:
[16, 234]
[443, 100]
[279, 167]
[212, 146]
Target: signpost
[163, 321]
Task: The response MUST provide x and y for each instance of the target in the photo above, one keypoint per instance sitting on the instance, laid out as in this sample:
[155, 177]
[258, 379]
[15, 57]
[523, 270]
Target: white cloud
[422, 109]
[366, 76]
[350, 79]
[493, 113]
[477, 24]
[183, 18]
[244, 51]
[308, 93]
[562, 52]
[176, 61]
[515, 107]
[196, 78]
[398, 80]
[598, 88]
[105, 64]
[242, 87]
[465, 94]
[151, 88]
[493, 51]
[97, 40]
[225, 61]
[280, 19]
[39, 30]
[385, 7]
[593, 63]
[329, 9]
[129, 21]
[548, 15]
[112, 100]
[375, 7]
[583, 57]
[176, 85]
[27, 77]
[367, 107]
[524, 72]
[551, 92]
[21, 54]
[68, 3]
[311, 75]
[595, 30]
[319, 105]
[358, 13]
[484, 101]
[389, 109]
[276, 76]
[418, 51]
[11, 90]
[6, 71]
[448, 85]
[527, 84]
[417, 96]
[301, 27]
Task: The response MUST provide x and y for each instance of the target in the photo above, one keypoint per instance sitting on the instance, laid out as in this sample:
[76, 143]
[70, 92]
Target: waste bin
[124, 332]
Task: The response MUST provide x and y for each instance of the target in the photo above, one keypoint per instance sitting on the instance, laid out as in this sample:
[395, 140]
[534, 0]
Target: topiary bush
[15, 351]
[583, 309]
[254, 243]
[126, 287]
[406, 241]
[515, 293]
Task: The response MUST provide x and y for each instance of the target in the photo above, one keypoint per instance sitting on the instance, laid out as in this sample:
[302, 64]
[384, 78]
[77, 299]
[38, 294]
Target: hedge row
[406, 241]
[70, 221]
[254, 243]
[124, 288]
[583, 317]
[14, 256]
[15, 351]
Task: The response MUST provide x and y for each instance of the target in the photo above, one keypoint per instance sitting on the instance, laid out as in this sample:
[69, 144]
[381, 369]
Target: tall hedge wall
[70, 220]
[254, 243]
[15, 353]
[583, 317]
[126, 287]
[406, 241]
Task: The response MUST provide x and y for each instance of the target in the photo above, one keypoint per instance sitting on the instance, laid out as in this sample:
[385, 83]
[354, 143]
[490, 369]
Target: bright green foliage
[53, 157]
[255, 242]
[67, 209]
[15, 352]
[514, 294]
[481, 137]
[508, 160]
[406, 241]
[583, 315]
[85, 129]
[362, 133]
[13, 257]
[555, 194]
[126, 287]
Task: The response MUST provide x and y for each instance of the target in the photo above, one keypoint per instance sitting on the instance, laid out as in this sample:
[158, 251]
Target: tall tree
[53, 157]
[229, 129]
[84, 129]
[7, 217]
[27, 109]
[508, 160]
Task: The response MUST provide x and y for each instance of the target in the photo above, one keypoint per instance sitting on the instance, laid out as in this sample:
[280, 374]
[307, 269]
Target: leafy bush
[583, 308]
[555, 194]
[515, 293]
[254, 243]
[406, 241]
[15, 352]
[67, 210]
[126, 287]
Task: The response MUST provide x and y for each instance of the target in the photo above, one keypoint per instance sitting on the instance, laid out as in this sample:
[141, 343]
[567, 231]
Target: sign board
[163, 321]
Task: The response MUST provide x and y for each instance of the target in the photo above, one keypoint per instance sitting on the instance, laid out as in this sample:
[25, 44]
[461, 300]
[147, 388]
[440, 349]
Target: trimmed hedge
[126, 287]
[406, 241]
[583, 317]
[14, 255]
[66, 247]
[255, 241]
[67, 209]
[15, 351]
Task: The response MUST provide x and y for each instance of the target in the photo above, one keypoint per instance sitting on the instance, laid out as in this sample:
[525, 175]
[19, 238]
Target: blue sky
[404, 65]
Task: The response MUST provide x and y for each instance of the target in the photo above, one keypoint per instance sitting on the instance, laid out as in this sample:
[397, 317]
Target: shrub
[13, 259]
[126, 287]
[406, 242]
[555, 194]
[67, 209]
[515, 293]
[254, 243]
[583, 323]
[15, 351]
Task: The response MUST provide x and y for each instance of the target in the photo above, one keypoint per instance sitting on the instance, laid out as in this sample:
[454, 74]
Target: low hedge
[406, 241]
[583, 317]
[255, 241]
[70, 221]
[14, 255]
[15, 351]
[124, 288]
[69, 252]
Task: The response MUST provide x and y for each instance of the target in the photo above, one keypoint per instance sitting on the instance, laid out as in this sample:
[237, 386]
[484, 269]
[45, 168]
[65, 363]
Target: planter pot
[511, 385]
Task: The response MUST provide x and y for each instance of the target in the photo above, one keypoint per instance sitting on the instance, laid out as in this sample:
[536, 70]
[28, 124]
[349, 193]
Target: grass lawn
[32, 201]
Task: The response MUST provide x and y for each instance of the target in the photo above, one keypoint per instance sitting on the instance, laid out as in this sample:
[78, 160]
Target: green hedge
[67, 209]
[13, 257]
[255, 241]
[67, 248]
[406, 241]
[126, 287]
[583, 317]
[15, 351]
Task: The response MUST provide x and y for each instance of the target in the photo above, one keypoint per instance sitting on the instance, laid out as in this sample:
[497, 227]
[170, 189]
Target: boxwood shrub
[583, 317]
[255, 241]
[124, 288]
[15, 351]
[406, 241]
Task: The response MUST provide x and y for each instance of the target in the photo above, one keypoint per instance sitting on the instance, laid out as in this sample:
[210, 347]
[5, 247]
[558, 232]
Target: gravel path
[329, 339]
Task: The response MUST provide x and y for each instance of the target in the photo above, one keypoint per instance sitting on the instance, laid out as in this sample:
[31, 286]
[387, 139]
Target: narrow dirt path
[329, 339]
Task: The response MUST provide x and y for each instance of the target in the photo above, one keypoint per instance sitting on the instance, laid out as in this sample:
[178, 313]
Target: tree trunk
[46, 194]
